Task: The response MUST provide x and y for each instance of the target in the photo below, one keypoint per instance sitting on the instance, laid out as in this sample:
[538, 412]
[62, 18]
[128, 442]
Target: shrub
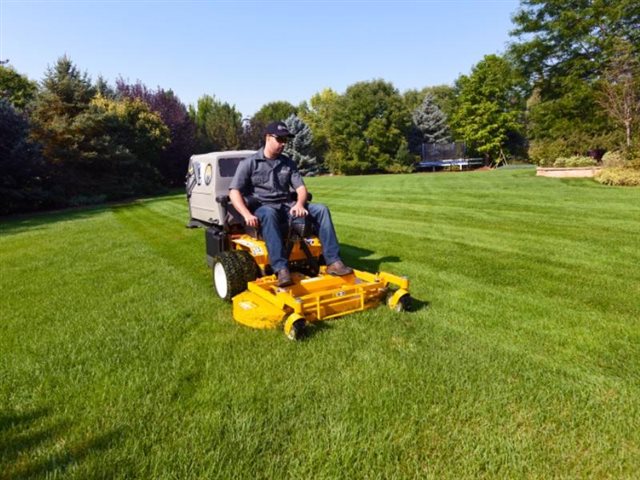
[575, 161]
[619, 176]
[543, 153]
[613, 159]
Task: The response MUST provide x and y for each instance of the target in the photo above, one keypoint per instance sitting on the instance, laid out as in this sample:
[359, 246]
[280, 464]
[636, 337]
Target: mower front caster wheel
[399, 301]
[294, 326]
[404, 304]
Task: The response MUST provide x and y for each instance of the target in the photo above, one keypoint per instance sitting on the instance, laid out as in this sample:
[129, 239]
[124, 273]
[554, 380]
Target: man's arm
[239, 204]
[298, 209]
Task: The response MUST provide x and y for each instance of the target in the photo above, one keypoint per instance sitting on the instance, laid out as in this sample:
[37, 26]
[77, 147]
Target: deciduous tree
[218, 125]
[367, 128]
[317, 114]
[620, 89]
[16, 88]
[563, 47]
[173, 160]
[489, 107]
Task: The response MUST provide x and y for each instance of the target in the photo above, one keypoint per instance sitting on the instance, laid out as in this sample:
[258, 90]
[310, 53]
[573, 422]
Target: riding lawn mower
[239, 261]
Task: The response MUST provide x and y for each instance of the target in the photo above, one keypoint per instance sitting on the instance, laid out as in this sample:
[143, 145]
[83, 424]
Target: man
[267, 178]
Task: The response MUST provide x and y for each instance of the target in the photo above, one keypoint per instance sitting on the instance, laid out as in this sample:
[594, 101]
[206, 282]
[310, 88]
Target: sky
[249, 53]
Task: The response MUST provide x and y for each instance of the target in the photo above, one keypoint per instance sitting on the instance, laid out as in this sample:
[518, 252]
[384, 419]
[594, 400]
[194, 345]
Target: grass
[521, 358]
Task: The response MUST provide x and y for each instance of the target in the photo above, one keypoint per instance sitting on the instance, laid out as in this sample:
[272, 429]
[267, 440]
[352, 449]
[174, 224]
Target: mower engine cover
[209, 176]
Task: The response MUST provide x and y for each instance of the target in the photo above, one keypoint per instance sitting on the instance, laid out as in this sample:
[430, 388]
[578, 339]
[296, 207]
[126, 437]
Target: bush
[543, 153]
[619, 176]
[613, 159]
[575, 161]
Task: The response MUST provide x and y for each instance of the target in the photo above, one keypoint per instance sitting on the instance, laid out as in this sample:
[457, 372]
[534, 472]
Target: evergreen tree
[103, 88]
[431, 122]
[65, 94]
[301, 146]
[21, 166]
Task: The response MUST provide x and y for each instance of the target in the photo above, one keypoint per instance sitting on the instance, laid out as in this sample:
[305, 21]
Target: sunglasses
[280, 139]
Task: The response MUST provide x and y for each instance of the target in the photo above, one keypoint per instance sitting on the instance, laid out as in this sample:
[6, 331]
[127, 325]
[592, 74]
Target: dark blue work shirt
[270, 181]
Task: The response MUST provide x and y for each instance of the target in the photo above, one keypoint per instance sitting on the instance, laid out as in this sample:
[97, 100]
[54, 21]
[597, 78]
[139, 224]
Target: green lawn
[522, 358]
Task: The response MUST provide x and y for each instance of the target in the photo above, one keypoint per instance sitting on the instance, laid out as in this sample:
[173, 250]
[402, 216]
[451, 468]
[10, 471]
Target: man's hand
[298, 211]
[251, 220]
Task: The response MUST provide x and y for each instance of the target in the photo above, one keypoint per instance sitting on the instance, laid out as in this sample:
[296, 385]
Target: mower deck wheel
[294, 326]
[404, 304]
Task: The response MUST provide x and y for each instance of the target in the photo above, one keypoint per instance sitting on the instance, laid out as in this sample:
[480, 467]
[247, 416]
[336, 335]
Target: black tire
[404, 304]
[229, 277]
[249, 266]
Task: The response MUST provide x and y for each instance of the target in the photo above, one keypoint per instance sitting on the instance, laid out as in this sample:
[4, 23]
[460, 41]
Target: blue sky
[249, 53]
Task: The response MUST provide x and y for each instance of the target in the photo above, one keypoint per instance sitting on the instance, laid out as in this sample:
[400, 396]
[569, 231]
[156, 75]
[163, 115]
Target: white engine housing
[208, 177]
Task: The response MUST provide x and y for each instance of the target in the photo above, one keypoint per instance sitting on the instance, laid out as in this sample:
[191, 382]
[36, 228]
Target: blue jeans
[273, 216]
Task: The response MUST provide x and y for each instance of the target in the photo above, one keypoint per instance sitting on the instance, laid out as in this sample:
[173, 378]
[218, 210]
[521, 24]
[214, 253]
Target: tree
[489, 107]
[95, 147]
[442, 96]
[65, 94]
[560, 39]
[620, 90]
[218, 125]
[300, 148]
[173, 160]
[563, 49]
[366, 129]
[124, 148]
[253, 132]
[21, 166]
[16, 88]
[431, 122]
[317, 115]
[103, 88]
[274, 112]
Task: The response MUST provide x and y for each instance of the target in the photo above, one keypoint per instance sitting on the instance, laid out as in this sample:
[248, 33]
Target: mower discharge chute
[239, 260]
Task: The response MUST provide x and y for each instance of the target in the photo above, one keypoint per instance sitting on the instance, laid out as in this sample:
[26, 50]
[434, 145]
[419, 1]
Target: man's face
[275, 144]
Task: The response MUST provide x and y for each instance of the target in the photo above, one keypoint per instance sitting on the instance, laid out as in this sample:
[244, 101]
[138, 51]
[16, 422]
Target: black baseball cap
[278, 129]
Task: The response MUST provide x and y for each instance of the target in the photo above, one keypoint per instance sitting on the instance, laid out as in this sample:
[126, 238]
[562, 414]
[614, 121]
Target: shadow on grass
[418, 305]
[358, 258]
[316, 328]
[31, 446]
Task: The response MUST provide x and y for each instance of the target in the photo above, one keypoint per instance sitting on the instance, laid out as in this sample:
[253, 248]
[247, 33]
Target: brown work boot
[284, 278]
[339, 268]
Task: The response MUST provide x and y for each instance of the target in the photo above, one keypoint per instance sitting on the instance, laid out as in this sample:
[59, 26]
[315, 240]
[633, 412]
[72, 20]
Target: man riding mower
[242, 270]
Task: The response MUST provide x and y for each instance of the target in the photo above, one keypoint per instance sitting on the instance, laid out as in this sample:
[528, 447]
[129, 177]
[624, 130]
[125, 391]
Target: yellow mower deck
[265, 305]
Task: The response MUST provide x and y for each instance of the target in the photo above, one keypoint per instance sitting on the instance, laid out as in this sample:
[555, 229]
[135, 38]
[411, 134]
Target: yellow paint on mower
[258, 249]
[311, 299]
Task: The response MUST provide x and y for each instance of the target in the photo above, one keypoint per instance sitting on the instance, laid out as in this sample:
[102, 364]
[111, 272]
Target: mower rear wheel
[229, 277]
[249, 265]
